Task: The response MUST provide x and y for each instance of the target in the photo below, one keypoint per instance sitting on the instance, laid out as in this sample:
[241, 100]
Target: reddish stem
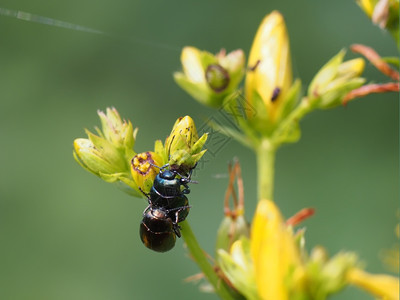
[376, 60]
[300, 216]
[370, 89]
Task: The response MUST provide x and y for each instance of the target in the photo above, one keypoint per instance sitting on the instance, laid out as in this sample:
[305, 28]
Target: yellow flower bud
[270, 70]
[91, 158]
[210, 78]
[183, 145]
[274, 253]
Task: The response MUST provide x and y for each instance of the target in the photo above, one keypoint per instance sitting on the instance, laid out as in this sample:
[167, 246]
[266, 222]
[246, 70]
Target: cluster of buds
[110, 154]
[272, 264]
[270, 93]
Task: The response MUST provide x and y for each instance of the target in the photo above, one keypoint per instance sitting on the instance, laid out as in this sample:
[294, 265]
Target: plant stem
[199, 257]
[265, 168]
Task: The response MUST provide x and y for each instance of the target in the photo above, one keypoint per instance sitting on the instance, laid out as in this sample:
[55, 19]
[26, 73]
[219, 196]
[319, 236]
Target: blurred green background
[65, 234]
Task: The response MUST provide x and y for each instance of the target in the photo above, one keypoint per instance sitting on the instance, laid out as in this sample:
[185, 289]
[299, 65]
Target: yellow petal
[367, 6]
[191, 63]
[382, 286]
[273, 251]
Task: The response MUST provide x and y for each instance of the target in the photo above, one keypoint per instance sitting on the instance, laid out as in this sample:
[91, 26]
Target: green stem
[265, 168]
[200, 258]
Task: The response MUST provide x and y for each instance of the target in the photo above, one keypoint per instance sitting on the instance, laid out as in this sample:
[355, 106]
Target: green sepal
[161, 151]
[108, 150]
[339, 89]
[231, 230]
[92, 160]
[200, 143]
[326, 74]
[126, 185]
[393, 60]
[292, 97]
[223, 239]
[291, 135]
[325, 276]
[237, 266]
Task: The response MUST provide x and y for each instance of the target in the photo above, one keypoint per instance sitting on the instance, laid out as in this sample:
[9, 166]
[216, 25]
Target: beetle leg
[147, 195]
[146, 209]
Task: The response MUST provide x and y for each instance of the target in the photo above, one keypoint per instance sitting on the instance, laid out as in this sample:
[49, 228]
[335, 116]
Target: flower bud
[90, 158]
[238, 267]
[231, 229]
[143, 170]
[210, 78]
[274, 253]
[269, 78]
[234, 226]
[183, 145]
[108, 154]
[328, 276]
[335, 79]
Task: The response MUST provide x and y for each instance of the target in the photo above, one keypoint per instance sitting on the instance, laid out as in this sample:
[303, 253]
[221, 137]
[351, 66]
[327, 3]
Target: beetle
[168, 205]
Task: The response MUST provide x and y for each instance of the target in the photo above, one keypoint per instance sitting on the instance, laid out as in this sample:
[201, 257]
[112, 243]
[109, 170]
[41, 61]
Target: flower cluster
[267, 259]
[273, 264]
[270, 261]
[110, 154]
[271, 96]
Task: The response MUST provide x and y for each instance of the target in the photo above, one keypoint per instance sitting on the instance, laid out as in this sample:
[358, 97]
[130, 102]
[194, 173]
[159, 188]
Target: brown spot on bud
[253, 68]
[275, 94]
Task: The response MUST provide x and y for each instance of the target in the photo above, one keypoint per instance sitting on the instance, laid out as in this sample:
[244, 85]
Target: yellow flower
[270, 70]
[276, 258]
[383, 286]
[143, 170]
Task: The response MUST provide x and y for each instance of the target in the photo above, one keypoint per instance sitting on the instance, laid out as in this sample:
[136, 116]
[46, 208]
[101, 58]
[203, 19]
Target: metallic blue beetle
[168, 206]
